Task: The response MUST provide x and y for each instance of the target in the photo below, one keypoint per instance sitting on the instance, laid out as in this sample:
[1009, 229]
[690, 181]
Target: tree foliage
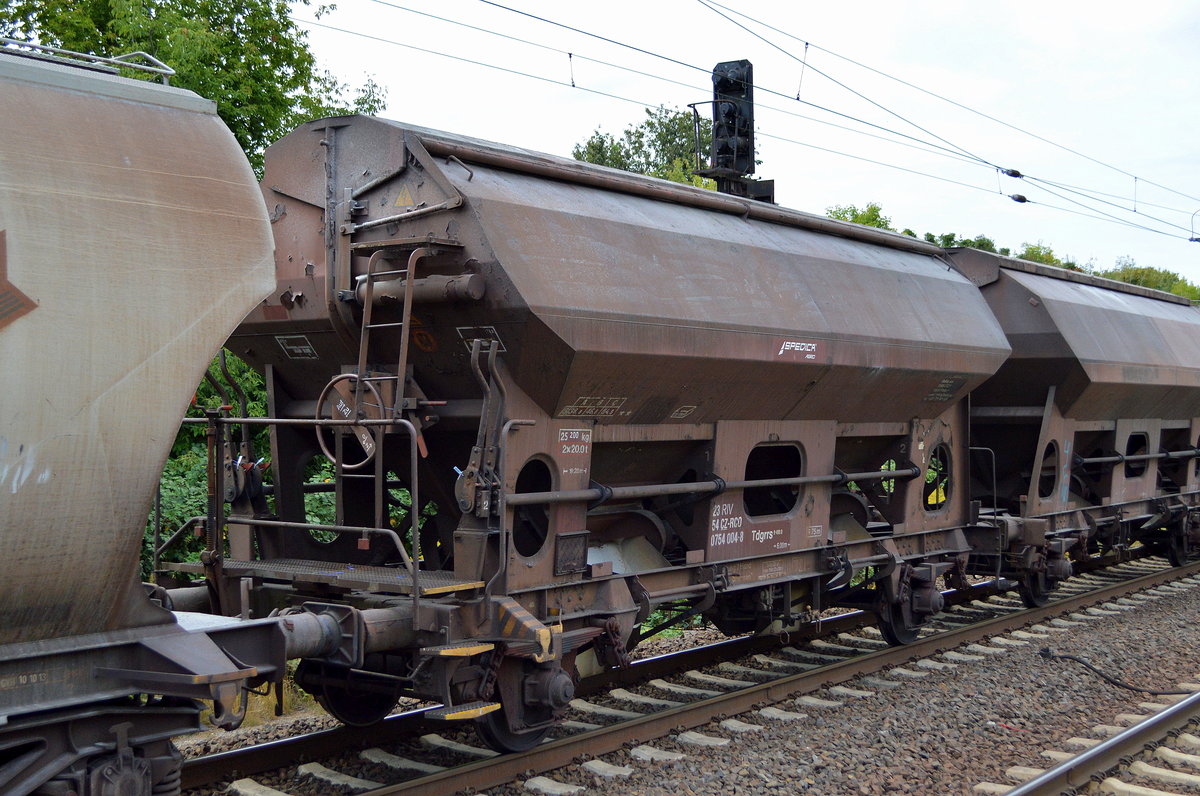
[872, 216]
[183, 494]
[950, 240]
[251, 383]
[869, 216]
[1039, 253]
[183, 490]
[1125, 269]
[663, 145]
[246, 55]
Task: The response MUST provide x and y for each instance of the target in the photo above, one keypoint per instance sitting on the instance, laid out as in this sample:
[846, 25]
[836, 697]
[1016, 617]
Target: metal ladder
[364, 339]
[370, 385]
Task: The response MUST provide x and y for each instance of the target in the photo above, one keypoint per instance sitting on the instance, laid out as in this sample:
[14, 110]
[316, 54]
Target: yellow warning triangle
[404, 198]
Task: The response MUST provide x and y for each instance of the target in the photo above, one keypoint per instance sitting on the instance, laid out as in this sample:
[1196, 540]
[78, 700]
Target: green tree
[183, 490]
[983, 243]
[1124, 270]
[663, 145]
[869, 216]
[246, 55]
[251, 383]
[950, 239]
[1041, 253]
[183, 494]
[1127, 270]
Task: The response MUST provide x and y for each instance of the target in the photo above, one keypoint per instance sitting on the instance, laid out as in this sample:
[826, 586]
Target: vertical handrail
[502, 557]
[226, 404]
[413, 516]
[405, 318]
[364, 336]
[216, 482]
[381, 512]
[995, 510]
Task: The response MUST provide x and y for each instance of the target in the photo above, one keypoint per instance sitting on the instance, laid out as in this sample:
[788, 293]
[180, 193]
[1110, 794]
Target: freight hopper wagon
[618, 393]
[1087, 438]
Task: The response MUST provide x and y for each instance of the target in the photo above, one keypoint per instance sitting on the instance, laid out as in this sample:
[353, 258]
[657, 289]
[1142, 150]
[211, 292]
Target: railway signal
[733, 117]
[732, 155]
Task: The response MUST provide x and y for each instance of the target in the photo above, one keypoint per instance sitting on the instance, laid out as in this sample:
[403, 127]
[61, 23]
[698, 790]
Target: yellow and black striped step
[461, 649]
[470, 710]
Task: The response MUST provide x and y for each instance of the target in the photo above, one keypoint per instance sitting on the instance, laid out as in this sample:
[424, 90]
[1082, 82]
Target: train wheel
[531, 695]
[896, 627]
[1034, 590]
[351, 701]
[494, 731]
[356, 708]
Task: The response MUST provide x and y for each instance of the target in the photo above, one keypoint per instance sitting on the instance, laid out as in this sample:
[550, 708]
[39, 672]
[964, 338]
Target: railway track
[1159, 747]
[613, 716]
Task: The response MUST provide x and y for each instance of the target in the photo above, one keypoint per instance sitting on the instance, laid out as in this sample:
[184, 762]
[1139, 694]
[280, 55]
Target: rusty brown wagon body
[1095, 417]
[547, 398]
[624, 392]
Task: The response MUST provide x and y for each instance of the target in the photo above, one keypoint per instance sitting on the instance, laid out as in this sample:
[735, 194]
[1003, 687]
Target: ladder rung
[401, 272]
[380, 378]
[381, 325]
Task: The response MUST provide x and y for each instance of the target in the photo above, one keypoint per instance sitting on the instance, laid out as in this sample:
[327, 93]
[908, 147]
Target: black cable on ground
[1050, 654]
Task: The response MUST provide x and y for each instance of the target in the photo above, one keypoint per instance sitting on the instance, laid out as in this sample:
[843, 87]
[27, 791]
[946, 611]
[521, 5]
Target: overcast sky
[1114, 82]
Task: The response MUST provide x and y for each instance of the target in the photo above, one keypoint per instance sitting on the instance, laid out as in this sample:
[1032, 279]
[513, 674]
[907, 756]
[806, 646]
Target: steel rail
[556, 754]
[1080, 770]
[202, 771]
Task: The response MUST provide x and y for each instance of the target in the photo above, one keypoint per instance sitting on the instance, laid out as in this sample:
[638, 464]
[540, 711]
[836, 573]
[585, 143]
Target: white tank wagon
[133, 238]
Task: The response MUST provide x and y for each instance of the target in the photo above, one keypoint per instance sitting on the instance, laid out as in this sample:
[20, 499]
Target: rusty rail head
[1081, 769]
[502, 770]
[252, 760]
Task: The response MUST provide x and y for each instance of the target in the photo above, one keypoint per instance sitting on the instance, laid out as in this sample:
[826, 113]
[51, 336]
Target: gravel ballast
[937, 734]
[940, 734]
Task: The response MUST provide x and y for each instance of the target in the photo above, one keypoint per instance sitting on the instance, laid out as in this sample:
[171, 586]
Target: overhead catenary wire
[1097, 217]
[1009, 172]
[953, 102]
[1103, 201]
[856, 93]
[643, 104]
[914, 143]
[1020, 199]
[706, 71]
[882, 163]
[980, 160]
[1095, 192]
[1109, 215]
[465, 60]
[629, 100]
